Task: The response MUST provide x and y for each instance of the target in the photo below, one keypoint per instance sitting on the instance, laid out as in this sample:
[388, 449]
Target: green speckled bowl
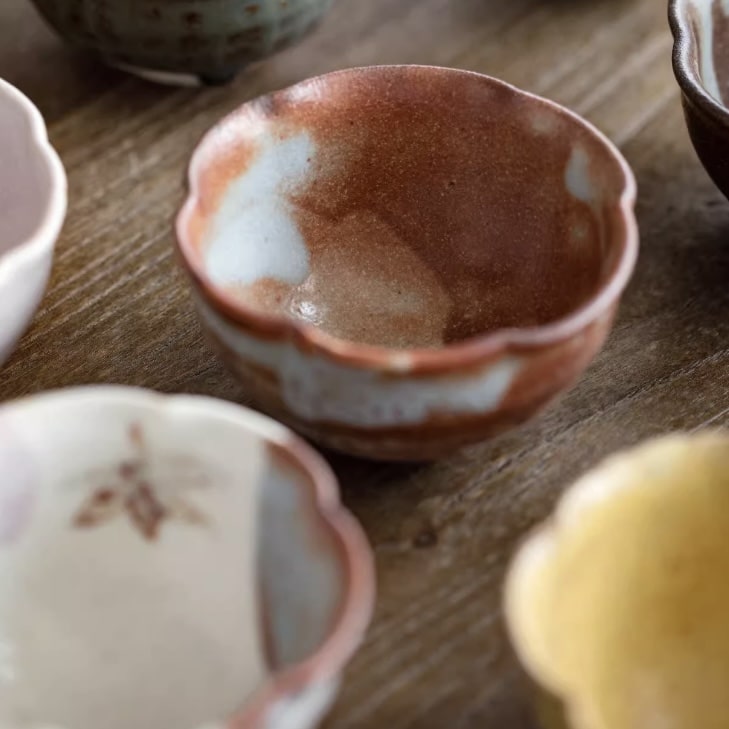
[179, 40]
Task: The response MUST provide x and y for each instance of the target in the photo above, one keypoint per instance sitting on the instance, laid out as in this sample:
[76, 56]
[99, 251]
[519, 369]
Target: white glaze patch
[316, 389]
[577, 175]
[302, 710]
[254, 235]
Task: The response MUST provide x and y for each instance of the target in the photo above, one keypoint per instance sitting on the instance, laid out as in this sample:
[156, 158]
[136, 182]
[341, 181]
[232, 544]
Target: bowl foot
[175, 78]
[168, 78]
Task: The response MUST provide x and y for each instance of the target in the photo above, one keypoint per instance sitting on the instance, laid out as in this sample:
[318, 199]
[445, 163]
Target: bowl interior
[157, 563]
[405, 207]
[625, 610]
[26, 186]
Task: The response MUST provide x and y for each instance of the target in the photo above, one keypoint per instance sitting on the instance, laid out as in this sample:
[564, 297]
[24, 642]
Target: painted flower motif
[149, 491]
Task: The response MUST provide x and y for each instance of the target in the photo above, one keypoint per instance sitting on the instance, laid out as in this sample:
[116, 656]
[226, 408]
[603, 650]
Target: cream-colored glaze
[100, 627]
[316, 388]
[619, 606]
[303, 710]
[253, 234]
[578, 180]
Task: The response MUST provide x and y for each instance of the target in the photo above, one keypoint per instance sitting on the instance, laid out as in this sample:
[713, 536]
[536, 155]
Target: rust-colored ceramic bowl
[618, 606]
[701, 65]
[398, 261]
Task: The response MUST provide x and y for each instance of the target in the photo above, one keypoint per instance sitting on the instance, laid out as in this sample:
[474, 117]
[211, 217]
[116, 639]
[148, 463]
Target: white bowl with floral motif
[170, 563]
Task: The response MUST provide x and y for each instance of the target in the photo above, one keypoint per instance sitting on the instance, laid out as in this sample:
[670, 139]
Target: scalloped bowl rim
[452, 356]
[49, 227]
[688, 77]
[587, 492]
[357, 605]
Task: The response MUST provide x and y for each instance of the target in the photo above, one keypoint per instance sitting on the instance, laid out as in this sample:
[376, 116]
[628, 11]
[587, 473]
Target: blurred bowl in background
[701, 66]
[32, 210]
[172, 42]
[617, 606]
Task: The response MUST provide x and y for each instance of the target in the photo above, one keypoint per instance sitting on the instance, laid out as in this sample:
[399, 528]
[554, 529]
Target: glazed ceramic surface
[701, 65]
[169, 562]
[398, 261]
[32, 208]
[168, 41]
[618, 605]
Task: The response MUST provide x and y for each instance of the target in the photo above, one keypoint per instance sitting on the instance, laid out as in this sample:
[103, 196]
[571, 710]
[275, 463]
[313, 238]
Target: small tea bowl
[193, 41]
[32, 209]
[618, 606]
[701, 66]
[170, 562]
[398, 261]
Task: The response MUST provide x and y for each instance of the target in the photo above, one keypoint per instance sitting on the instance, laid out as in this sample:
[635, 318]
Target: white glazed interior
[32, 208]
[111, 618]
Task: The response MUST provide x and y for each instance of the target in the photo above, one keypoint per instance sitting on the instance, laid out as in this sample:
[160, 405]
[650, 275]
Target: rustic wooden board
[118, 310]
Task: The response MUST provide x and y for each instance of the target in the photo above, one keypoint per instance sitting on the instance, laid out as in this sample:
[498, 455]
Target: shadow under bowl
[401, 260]
[701, 66]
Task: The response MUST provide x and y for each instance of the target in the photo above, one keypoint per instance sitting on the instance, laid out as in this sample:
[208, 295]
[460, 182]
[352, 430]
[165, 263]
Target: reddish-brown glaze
[438, 219]
[436, 208]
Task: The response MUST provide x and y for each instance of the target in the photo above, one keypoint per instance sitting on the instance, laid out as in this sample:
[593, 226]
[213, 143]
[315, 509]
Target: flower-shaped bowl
[398, 261]
[192, 41]
[618, 605]
[701, 66]
[32, 209]
[170, 562]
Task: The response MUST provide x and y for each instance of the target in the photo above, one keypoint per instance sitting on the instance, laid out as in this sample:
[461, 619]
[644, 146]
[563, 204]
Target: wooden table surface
[118, 309]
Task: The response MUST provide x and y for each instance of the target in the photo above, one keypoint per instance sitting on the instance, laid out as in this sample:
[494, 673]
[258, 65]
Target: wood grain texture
[118, 310]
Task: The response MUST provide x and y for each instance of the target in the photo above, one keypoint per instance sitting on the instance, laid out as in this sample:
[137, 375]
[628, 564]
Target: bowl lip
[469, 353]
[687, 72]
[357, 603]
[43, 239]
[594, 487]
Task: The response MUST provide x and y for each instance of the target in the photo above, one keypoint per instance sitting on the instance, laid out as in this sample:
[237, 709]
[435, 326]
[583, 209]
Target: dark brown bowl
[399, 261]
[701, 65]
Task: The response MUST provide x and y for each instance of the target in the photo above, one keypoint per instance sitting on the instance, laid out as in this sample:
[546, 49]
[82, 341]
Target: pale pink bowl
[32, 209]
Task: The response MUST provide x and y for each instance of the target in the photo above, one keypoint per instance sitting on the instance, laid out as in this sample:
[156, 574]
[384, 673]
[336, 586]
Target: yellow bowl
[618, 607]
